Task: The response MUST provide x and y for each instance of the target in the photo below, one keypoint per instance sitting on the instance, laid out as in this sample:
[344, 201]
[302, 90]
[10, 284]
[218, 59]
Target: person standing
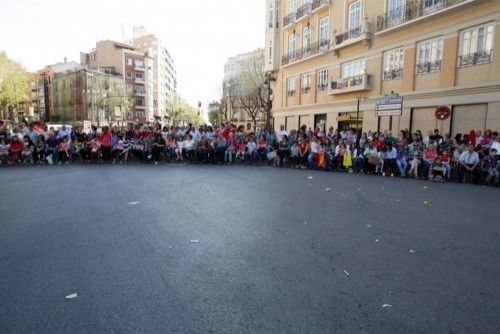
[105, 144]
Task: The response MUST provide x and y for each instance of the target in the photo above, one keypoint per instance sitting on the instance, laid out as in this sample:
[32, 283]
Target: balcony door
[354, 18]
[396, 10]
[306, 41]
[432, 5]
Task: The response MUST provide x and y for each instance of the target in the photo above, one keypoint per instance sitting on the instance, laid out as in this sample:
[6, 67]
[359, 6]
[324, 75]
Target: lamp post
[358, 98]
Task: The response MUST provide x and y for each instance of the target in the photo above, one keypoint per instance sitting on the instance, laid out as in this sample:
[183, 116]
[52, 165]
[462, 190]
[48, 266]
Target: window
[139, 89]
[355, 15]
[353, 69]
[306, 40]
[270, 18]
[396, 10]
[323, 32]
[139, 76]
[393, 64]
[429, 56]
[129, 114]
[139, 102]
[270, 55]
[322, 80]
[307, 6]
[432, 5]
[306, 83]
[290, 87]
[139, 63]
[292, 8]
[476, 45]
[291, 46]
[130, 62]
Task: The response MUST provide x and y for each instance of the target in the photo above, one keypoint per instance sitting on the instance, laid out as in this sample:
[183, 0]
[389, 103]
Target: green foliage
[14, 82]
[180, 112]
[214, 112]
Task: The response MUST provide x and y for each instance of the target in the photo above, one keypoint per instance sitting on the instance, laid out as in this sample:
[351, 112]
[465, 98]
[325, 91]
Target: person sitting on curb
[469, 162]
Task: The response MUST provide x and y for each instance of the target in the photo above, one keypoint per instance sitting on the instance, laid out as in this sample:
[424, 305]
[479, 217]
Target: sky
[200, 34]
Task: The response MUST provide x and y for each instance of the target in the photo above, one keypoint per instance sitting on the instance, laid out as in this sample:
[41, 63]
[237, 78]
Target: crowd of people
[473, 156]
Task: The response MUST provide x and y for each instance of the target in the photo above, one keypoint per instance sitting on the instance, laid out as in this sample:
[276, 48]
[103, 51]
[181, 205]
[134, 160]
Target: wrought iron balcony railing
[304, 10]
[308, 51]
[477, 58]
[350, 84]
[353, 35]
[290, 93]
[392, 74]
[413, 10]
[429, 67]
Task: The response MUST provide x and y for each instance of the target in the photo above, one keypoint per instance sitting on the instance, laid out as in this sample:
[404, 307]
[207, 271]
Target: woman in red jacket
[105, 144]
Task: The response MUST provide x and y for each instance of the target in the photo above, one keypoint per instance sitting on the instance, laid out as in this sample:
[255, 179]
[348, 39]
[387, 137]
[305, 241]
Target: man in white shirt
[469, 162]
[315, 148]
[280, 133]
[496, 145]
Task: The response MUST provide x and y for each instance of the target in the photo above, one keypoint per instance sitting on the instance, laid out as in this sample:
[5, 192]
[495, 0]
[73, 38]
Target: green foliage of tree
[214, 112]
[179, 112]
[14, 84]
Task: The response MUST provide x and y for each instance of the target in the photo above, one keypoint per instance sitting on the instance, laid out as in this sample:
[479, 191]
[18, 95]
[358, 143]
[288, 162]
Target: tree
[14, 85]
[214, 112]
[180, 112]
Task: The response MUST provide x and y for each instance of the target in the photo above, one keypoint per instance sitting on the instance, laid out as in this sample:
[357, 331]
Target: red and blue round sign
[442, 113]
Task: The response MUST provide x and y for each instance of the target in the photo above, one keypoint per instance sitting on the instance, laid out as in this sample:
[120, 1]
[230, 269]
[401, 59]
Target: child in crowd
[4, 150]
[63, 151]
[492, 165]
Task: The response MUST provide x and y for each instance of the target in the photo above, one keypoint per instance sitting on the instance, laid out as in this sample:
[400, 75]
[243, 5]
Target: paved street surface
[277, 252]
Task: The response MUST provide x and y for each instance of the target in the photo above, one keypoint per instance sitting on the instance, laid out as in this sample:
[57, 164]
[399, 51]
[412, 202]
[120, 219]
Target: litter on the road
[328, 189]
[376, 240]
[427, 204]
[310, 177]
[305, 223]
[195, 241]
[345, 272]
[425, 187]
[369, 226]
[386, 305]
[412, 251]
[133, 203]
[71, 296]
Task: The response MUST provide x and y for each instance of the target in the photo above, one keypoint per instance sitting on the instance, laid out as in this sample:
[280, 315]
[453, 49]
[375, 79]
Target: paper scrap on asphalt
[71, 296]
[305, 223]
[369, 226]
[195, 241]
[386, 305]
[425, 187]
[412, 251]
[328, 189]
[133, 203]
[376, 240]
[427, 204]
[310, 177]
[345, 272]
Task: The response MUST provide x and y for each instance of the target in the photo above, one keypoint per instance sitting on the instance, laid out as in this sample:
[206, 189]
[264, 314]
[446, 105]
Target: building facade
[134, 66]
[337, 57]
[164, 73]
[251, 63]
[89, 95]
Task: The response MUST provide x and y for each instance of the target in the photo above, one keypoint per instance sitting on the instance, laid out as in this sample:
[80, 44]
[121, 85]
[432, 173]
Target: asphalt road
[277, 252]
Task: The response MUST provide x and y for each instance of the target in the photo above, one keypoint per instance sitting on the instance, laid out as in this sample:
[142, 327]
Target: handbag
[373, 160]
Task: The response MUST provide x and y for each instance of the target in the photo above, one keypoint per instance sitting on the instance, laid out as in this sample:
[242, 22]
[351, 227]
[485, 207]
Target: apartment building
[89, 95]
[253, 64]
[163, 68]
[338, 57]
[134, 66]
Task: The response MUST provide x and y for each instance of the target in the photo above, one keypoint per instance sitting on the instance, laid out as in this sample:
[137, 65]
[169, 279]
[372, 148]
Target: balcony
[429, 67]
[139, 68]
[140, 107]
[352, 84]
[304, 53]
[392, 74]
[415, 10]
[304, 11]
[477, 58]
[139, 81]
[139, 92]
[361, 33]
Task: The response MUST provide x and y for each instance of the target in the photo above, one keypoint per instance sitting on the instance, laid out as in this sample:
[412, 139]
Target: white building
[235, 65]
[163, 70]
